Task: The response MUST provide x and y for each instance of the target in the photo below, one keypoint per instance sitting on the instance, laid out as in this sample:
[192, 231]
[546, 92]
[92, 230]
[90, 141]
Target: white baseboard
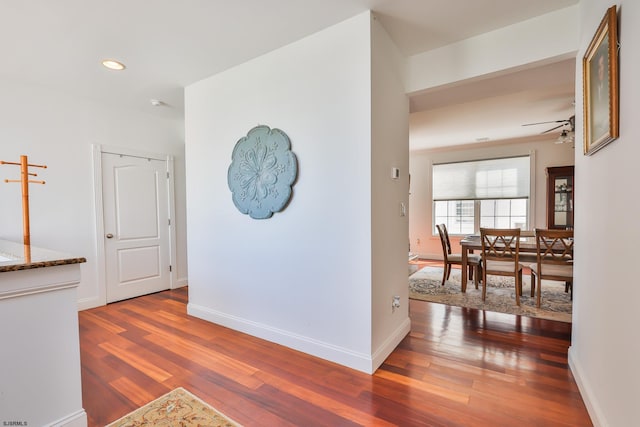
[390, 344]
[87, 303]
[77, 419]
[433, 257]
[586, 392]
[182, 282]
[343, 356]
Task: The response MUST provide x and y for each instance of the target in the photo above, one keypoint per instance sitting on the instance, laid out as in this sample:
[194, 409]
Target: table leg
[464, 269]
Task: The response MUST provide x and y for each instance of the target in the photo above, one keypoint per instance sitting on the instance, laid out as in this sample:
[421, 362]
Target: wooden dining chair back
[473, 261]
[554, 250]
[500, 256]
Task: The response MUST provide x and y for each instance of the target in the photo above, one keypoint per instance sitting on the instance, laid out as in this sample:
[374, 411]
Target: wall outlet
[395, 302]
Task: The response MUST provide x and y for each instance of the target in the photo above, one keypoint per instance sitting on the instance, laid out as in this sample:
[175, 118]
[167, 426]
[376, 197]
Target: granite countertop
[16, 256]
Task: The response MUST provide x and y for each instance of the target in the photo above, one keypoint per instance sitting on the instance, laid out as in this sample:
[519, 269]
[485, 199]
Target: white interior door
[136, 225]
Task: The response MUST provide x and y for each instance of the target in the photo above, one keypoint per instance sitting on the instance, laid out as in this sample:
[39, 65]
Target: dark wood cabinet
[560, 193]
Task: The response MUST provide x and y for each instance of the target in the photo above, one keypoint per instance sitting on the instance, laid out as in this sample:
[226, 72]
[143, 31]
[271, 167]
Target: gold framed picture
[600, 85]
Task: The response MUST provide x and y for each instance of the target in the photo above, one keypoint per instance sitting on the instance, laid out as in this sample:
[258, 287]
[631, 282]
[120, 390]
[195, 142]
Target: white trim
[101, 269]
[390, 344]
[173, 274]
[594, 410]
[340, 355]
[77, 419]
[532, 190]
[37, 290]
[97, 151]
[20, 283]
[109, 149]
[430, 257]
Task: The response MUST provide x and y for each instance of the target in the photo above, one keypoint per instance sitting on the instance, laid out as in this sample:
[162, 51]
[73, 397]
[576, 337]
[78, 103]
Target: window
[486, 193]
[458, 215]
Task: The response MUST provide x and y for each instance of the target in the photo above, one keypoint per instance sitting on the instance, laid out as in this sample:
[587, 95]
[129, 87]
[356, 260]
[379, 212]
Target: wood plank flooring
[457, 367]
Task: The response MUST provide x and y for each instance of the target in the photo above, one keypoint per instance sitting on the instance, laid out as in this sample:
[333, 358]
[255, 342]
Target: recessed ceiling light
[482, 139]
[112, 64]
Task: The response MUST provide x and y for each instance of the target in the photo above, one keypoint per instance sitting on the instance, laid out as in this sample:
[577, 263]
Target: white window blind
[506, 178]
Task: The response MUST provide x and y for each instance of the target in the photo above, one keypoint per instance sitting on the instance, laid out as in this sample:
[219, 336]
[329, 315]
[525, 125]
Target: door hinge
[167, 175]
[170, 269]
[169, 222]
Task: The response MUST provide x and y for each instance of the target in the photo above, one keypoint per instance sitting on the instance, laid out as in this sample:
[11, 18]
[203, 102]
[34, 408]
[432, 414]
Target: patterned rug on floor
[176, 408]
[426, 285]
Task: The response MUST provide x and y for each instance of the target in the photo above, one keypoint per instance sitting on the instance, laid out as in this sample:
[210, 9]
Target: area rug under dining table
[426, 285]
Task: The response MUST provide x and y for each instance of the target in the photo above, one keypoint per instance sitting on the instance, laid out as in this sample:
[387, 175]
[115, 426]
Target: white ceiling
[169, 44]
[495, 109]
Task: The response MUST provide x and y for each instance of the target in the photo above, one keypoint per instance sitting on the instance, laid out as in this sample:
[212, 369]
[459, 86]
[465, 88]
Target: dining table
[471, 243]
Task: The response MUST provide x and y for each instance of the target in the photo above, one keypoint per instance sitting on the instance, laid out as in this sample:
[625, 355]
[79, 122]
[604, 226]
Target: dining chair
[473, 260]
[500, 256]
[554, 250]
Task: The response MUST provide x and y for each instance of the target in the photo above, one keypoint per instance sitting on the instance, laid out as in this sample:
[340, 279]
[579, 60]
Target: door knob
[109, 236]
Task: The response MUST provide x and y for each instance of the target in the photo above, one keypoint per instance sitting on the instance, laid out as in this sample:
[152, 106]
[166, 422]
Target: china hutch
[560, 192]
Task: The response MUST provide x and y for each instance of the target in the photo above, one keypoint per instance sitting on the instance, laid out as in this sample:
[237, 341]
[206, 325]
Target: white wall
[390, 230]
[58, 130]
[302, 278]
[542, 39]
[546, 154]
[605, 349]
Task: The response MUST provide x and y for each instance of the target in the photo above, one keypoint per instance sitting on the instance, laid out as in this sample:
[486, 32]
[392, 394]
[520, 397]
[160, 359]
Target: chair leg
[520, 287]
[476, 278]
[484, 285]
[444, 273]
[539, 299]
[533, 284]
[448, 271]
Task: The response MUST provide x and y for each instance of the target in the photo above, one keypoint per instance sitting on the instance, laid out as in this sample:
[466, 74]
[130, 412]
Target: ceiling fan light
[571, 136]
[565, 136]
[562, 138]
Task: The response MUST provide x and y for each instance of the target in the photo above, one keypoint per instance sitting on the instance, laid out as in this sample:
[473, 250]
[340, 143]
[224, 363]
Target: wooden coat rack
[25, 181]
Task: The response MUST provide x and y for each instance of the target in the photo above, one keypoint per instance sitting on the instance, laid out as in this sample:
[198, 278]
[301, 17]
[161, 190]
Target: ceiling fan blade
[543, 123]
[549, 130]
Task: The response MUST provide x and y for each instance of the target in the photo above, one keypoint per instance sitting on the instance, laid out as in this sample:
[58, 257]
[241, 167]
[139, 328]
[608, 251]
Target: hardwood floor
[457, 367]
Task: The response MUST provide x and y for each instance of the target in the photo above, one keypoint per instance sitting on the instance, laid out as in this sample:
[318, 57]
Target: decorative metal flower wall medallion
[262, 172]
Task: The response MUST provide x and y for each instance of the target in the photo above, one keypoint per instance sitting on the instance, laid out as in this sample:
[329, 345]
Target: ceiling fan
[566, 135]
[571, 121]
